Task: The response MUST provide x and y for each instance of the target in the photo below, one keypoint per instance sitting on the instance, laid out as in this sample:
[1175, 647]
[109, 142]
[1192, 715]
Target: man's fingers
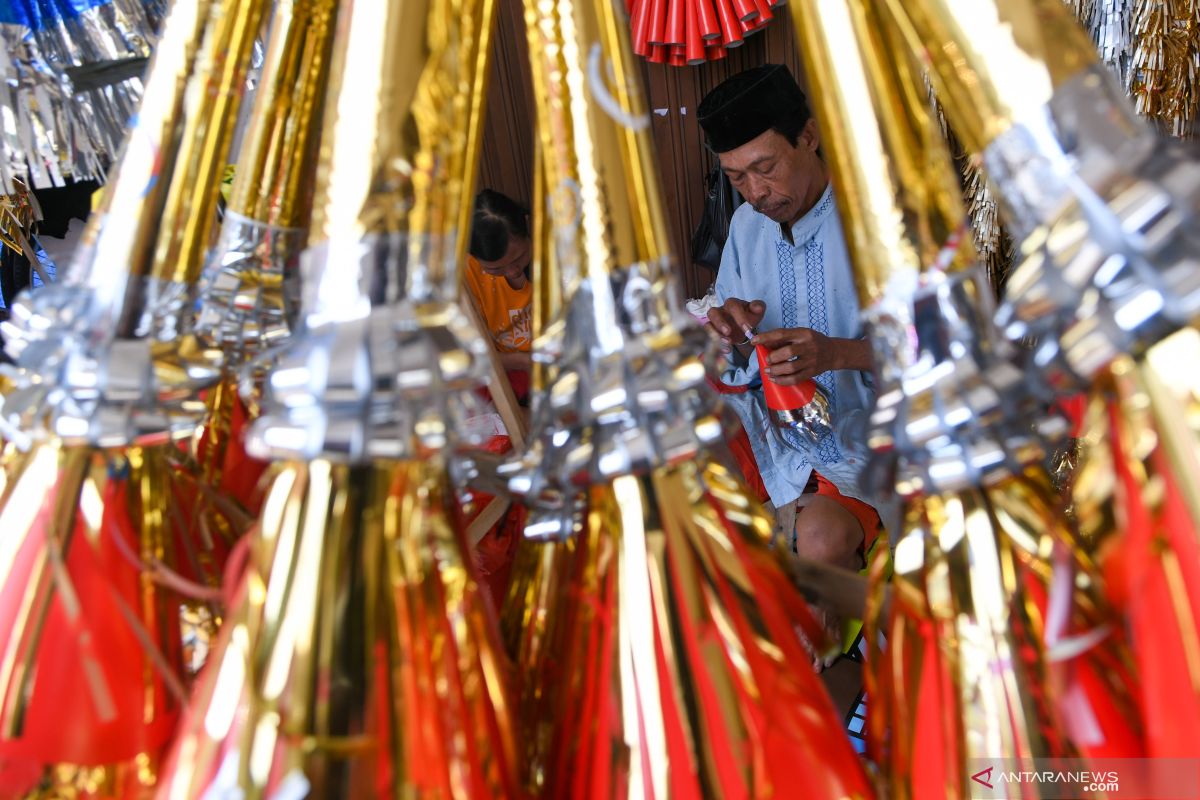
[721, 321]
[787, 353]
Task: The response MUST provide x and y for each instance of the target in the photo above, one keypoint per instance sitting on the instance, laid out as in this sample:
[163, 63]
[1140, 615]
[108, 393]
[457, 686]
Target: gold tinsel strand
[1164, 83]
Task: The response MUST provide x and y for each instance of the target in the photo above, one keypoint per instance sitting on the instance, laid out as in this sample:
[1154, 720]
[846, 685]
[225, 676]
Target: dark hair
[497, 219]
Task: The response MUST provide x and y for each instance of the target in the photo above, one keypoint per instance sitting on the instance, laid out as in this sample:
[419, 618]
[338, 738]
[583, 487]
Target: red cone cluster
[690, 32]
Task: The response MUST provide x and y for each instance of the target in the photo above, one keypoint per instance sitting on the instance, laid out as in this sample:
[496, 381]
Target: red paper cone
[676, 32]
[710, 25]
[764, 12]
[731, 29]
[783, 398]
[717, 52]
[658, 22]
[746, 10]
[695, 45]
[640, 26]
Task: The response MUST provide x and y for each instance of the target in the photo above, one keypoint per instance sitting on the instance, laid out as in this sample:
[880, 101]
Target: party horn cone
[731, 30]
[249, 293]
[695, 43]
[675, 31]
[764, 12]
[108, 344]
[984, 655]
[747, 10]
[250, 289]
[658, 21]
[803, 407]
[639, 20]
[424, 707]
[710, 26]
[652, 519]
[86, 390]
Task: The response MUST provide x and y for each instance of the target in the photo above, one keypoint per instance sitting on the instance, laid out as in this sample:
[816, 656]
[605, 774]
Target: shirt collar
[807, 226]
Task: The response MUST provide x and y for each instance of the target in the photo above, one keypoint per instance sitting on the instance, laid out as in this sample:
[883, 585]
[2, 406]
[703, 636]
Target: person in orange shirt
[497, 277]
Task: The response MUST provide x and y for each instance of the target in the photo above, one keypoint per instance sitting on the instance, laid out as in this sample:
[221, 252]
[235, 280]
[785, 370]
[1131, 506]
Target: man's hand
[797, 354]
[733, 319]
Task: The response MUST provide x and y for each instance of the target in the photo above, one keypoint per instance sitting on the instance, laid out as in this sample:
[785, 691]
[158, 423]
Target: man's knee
[828, 533]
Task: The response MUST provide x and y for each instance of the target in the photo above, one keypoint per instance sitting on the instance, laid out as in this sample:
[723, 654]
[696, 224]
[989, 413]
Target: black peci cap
[749, 104]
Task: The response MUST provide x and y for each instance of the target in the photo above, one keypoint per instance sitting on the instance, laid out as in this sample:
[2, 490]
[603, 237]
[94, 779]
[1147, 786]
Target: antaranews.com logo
[1069, 779]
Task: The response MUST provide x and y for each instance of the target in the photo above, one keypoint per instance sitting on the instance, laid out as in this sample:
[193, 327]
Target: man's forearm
[854, 354]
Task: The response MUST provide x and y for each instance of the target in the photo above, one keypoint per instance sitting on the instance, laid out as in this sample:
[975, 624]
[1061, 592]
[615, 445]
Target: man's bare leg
[828, 533]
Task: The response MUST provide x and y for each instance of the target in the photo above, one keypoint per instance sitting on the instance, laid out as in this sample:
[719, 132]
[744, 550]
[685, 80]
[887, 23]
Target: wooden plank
[507, 407]
[492, 513]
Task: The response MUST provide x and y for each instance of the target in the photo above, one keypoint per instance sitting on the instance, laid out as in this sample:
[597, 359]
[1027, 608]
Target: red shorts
[867, 516]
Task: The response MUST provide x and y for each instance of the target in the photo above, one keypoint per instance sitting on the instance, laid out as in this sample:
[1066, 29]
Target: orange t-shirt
[507, 312]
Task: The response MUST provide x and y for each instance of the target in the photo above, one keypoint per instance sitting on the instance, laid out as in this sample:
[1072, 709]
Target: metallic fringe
[359, 659]
[674, 667]
[1165, 75]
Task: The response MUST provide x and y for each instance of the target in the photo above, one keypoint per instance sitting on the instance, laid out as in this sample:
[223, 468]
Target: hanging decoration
[72, 81]
[360, 658]
[98, 511]
[691, 32]
[1102, 210]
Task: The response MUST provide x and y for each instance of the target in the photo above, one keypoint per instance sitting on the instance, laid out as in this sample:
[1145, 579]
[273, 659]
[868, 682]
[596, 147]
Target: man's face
[512, 264]
[779, 180]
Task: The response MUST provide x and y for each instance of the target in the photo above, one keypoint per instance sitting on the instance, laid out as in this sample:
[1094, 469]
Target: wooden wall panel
[507, 153]
[673, 93]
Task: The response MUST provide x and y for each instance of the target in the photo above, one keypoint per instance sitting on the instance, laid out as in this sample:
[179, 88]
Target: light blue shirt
[805, 283]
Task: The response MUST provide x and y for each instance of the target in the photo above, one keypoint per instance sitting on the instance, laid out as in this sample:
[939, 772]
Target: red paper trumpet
[803, 408]
[690, 32]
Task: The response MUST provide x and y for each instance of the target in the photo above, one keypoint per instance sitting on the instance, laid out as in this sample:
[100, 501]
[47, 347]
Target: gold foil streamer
[900, 202]
[278, 158]
[91, 639]
[675, 667]
[1138, 501]
[994, 62]
[359, 659]
[668, 662]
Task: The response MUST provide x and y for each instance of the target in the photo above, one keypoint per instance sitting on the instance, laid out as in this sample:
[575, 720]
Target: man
[785, 283]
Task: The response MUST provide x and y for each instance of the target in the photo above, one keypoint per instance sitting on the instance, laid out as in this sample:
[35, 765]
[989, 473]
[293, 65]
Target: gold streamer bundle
[351, 664]
[1135, 495]
[976, 664]
[90, 670]
[379, 668]
[1100, 280]
[100, 507]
